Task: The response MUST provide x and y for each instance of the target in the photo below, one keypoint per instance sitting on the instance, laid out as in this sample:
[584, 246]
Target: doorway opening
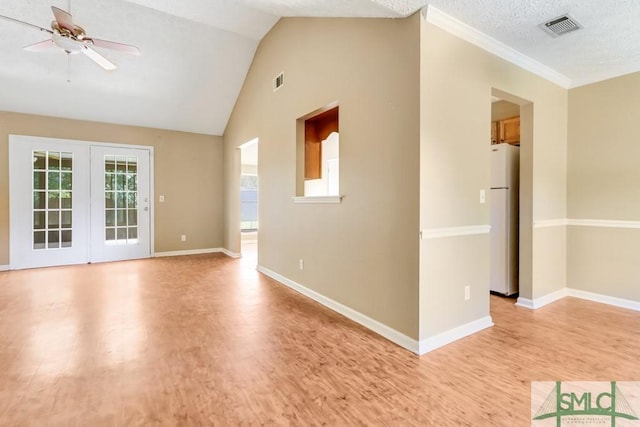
[505, 195]
[249, 199]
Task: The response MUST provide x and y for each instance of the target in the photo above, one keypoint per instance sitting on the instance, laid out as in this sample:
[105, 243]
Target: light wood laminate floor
[206, 340]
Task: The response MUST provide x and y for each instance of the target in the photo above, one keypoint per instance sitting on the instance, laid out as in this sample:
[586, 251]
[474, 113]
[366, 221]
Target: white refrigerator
[505, 174]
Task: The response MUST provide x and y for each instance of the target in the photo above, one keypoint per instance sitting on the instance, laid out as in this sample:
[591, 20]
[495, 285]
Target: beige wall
[188, 172]
[362, 253]
[604, 184]
[501, 110]
[457, 81]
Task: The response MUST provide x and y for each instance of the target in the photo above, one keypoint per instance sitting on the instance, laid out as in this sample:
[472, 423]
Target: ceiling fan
[72, 39]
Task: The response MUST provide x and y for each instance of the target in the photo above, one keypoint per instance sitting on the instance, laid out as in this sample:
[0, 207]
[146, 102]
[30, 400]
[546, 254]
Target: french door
[120, 215]
[74, 202]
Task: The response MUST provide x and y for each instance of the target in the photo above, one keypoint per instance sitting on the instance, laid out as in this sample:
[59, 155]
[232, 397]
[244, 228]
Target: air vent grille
[278, 81]
[561, 25]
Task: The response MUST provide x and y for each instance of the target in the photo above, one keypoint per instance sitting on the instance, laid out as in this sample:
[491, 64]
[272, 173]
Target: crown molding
[459, 29]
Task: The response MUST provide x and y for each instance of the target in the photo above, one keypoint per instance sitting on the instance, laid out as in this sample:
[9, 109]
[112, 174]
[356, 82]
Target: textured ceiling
[607, 46]
[196, 53]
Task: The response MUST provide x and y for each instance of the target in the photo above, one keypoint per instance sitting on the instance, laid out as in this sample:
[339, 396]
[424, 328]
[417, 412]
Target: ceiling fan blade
[17, 21]
[40, 46]
[63, 18]
[120, 47]
[98, 59]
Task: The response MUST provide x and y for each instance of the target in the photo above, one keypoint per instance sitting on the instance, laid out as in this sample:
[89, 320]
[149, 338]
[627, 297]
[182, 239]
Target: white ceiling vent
[278, 81]
[561, 25]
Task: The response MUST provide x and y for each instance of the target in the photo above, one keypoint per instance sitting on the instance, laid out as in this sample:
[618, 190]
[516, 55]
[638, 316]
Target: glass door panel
[120, 211]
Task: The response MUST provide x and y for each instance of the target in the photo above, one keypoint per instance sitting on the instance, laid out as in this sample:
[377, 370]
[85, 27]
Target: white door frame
[14, 139]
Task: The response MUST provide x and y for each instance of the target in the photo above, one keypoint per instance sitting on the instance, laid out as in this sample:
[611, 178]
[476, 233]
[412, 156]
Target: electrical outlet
[483, 196]
[467, 293]
[301, 264]
[183, 237]
[161, 199]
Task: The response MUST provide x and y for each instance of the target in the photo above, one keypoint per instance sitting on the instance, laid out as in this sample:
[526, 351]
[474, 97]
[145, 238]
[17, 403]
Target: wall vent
[561, 25]
[278, 81]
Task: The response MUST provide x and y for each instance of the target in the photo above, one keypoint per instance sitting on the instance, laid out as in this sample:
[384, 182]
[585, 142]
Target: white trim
[607, 223]
[545, 223]
[483, 41]
[317, 199]
[603, 223]
[468, 230]
[188, 252]
[577, 293]
[542, 301]
[228, 253]
[369, 323]
[4, 268]
[429, 344]
[604, 299]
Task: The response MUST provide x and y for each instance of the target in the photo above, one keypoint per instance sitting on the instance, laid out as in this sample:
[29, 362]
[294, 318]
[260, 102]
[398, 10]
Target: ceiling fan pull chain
[68, 67]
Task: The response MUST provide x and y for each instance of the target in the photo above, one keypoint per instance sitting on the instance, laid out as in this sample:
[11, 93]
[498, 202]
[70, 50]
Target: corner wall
[456, 84]
[604, 188]
[188, 172]
[362, 253]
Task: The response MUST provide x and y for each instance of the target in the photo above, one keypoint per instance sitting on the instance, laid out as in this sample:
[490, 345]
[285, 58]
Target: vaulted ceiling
[196, 53]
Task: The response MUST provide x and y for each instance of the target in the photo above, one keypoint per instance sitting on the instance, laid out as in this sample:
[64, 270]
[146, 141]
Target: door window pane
[66, 161]
[38, 220]
[65, 242]
[39, 160]
[65, 219]
[121, 199]
[109, 164]
[65, 199]
[52, 192]
[132, 217]
[65, 181]
[109, 200]
[39, 182]
[54, 220]
[54, 161]
[54, 180]
[39, 239]
[53, 239]
[54, 200]
[110, 218]
[39, 199]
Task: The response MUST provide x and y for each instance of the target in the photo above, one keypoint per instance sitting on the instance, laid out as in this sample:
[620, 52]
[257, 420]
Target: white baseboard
[604, 299]
[188, 252]
[228, 253]
[577, 293]
[4, 268]
[391, 334]
[542, 301]
[447, 337]
[369, 323]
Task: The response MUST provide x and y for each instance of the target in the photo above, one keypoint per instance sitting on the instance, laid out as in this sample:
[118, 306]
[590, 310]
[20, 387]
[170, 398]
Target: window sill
[318, 199]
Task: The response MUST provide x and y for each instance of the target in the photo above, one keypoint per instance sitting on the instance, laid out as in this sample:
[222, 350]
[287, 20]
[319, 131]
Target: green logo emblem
[582, 405]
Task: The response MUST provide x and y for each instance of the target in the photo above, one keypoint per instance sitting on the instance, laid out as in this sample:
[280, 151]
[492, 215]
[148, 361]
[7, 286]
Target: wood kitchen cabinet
[494, 132]
[506, 131]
